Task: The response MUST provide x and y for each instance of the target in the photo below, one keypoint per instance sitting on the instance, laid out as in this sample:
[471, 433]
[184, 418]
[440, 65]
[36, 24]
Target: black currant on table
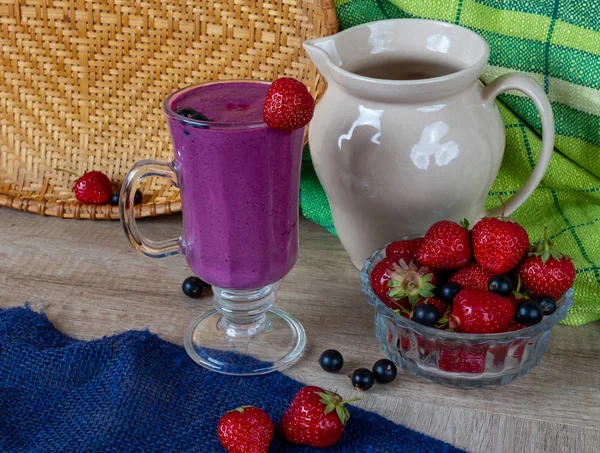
[331, 361]
[384, 371]
[193, 287]
[362, 379]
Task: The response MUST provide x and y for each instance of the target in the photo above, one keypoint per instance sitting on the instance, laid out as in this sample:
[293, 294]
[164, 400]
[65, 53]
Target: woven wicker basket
[82, 82]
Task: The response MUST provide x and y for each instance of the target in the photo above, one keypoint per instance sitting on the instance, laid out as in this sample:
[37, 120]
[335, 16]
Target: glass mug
[239, 183]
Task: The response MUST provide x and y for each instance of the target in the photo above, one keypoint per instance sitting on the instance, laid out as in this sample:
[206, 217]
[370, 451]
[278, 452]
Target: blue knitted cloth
[134, 392]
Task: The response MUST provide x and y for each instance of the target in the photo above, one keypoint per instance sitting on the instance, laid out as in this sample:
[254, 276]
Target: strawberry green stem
[349, 400]
[546, 241]
[503, 207]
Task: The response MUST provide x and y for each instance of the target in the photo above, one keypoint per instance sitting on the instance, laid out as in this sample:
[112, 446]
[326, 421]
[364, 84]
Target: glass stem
[244, 311]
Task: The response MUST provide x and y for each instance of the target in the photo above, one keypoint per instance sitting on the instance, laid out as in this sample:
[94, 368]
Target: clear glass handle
[145, 169]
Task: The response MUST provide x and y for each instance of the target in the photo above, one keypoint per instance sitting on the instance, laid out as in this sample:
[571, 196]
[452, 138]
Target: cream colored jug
[406, 134]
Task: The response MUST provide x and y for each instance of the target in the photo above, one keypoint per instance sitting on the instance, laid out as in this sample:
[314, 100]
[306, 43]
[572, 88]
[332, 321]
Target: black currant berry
[193, 287]
[528, 313]
[331, 361]
[501, 285]
[426, 314]
[447, 291]
[384, 371]
[362, 379]
[548, 304]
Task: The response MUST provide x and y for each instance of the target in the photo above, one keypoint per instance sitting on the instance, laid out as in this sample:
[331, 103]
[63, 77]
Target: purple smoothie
[239, 183]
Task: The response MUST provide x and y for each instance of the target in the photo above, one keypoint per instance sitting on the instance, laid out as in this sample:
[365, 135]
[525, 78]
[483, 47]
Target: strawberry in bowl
[468, 308]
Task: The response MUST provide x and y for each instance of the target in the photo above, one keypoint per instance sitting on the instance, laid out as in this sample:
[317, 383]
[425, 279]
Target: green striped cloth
[557, 42]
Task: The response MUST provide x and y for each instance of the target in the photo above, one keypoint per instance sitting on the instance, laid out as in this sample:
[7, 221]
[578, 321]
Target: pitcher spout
[400, 60]
[324, 54]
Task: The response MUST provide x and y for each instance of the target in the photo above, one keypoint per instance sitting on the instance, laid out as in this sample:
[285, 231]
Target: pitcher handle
[525, 84]
[141, 170]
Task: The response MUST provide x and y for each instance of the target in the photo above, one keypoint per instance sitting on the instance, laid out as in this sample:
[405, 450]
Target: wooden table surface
[91, 283]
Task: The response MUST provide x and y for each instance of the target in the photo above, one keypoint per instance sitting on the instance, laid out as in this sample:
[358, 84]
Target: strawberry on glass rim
[288, 105]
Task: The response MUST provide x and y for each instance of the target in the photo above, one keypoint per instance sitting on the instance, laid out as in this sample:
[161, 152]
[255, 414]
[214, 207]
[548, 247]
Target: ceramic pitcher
[406, 134]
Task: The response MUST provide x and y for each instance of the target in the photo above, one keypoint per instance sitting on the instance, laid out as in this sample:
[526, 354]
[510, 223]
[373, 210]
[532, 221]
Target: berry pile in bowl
[468, 308]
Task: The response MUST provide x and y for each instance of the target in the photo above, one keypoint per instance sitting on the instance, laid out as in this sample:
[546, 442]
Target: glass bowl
[458, 359]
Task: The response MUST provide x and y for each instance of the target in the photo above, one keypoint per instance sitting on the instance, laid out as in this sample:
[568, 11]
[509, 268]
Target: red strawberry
[519, 349]
[446, 245]
[408, 283]
[246, 429]
[315, 417]
[472, 276]
[473, 361]
[514, 299]
[499, 353]
[404, 343]
[458, 360]
[288, 105]
[93, 187]
[475, 311]
[380, 277]
[405, 249]
[426, 345]
[499, 244]
[513, 326]
[450, 359]
[545, 271]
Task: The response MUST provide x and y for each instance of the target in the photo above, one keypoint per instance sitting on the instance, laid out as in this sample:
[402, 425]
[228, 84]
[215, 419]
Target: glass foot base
[272, 343]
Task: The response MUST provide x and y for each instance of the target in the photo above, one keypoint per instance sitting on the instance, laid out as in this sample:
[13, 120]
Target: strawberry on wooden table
[475, 311]
[499, 243]
[545, 271]
[315, 417]
[246, 429]
[472, 276]
[446, 245]
[288, 105]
